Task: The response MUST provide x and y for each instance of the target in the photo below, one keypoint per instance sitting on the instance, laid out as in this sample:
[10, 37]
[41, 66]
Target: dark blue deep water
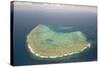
[27, 16]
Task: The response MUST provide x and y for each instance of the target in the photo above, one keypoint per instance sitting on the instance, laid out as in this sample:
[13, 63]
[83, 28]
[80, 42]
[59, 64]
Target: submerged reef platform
[44, 42]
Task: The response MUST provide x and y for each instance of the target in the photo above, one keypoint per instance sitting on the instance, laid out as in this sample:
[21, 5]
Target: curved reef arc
[45, 43]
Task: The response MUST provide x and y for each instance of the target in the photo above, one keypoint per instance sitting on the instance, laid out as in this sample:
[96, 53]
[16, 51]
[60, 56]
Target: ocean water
[28, 15]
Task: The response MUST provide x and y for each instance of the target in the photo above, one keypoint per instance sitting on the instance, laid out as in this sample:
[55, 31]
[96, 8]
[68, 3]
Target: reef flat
[46, 43]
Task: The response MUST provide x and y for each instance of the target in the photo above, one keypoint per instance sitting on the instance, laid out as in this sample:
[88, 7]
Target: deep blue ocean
[27, 16]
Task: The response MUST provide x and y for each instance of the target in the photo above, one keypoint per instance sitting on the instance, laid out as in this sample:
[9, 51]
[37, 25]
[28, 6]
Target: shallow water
[27, 17]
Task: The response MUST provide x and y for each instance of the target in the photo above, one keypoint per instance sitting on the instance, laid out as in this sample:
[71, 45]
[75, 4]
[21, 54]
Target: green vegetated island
[46, 43]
